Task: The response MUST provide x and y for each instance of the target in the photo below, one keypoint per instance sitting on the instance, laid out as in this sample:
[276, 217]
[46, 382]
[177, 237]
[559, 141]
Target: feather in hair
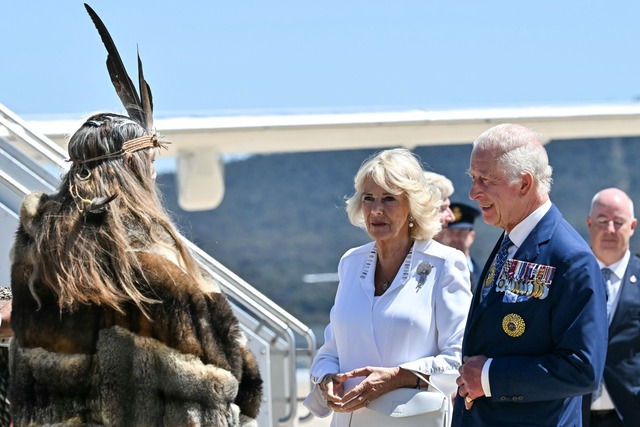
[140, 110]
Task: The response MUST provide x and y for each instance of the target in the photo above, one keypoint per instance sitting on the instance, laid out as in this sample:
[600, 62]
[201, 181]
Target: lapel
[367, 275]
[629, 293]
[539, 236]
[367, 272]
[478, 290]
[492, 294]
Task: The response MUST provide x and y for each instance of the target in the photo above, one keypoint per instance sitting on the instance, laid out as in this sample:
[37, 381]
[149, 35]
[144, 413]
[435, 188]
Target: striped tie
[606, 276]
[496, 267]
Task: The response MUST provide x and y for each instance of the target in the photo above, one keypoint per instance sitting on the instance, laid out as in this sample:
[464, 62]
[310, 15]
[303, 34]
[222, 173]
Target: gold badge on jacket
[513, 325]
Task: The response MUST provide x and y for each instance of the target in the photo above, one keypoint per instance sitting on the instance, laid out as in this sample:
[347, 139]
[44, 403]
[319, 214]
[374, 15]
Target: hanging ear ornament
[410, 221]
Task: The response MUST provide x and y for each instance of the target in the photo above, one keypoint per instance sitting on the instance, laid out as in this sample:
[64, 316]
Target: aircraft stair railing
[36, 147]
[29, 162]
[276, 318]
[26, 165]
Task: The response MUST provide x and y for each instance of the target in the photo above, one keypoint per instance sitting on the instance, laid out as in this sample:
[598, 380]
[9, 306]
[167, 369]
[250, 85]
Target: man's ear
[127, 159]
[526, 185]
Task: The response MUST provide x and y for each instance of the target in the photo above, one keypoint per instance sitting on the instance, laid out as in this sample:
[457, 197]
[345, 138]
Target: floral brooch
[423, 270]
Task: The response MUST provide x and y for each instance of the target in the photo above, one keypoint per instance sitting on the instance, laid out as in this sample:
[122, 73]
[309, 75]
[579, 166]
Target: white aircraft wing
[200, 142]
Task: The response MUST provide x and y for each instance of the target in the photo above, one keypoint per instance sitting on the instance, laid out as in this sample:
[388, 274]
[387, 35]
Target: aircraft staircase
[281, 343]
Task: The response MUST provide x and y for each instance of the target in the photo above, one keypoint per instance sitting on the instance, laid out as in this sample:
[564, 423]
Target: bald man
[611, 224]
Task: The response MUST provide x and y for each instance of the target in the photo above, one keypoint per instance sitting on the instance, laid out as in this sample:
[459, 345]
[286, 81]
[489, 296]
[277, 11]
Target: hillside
[283, 215]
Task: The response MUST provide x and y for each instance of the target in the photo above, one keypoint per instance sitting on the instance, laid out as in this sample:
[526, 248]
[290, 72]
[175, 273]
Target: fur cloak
[186, 366]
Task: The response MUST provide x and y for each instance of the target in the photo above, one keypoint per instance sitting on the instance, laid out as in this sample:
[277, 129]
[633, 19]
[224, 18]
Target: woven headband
[131, 146]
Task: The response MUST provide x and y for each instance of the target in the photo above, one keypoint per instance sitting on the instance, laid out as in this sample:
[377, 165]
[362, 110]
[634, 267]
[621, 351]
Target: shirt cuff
[484, 378]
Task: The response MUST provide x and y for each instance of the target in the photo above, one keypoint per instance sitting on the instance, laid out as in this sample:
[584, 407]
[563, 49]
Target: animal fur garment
[184, 365]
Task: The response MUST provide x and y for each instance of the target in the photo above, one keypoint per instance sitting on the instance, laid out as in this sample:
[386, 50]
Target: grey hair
[398, 171]
[441, 183]
[520, 150]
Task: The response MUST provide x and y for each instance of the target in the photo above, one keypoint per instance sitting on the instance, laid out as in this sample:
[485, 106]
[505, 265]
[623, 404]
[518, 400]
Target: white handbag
[406, 407]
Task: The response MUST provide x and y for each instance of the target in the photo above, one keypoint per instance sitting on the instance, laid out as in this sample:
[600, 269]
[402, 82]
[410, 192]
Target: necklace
[380, 281]
[385, 282]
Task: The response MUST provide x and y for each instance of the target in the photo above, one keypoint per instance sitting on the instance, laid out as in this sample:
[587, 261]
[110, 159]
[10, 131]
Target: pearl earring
[410, 221]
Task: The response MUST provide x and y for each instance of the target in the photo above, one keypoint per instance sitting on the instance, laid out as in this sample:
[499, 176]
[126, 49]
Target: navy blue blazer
[622, 367]
[539, 377]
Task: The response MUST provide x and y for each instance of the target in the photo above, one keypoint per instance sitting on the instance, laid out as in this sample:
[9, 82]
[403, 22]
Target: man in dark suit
[536, 334]
[611, 224]
[460, 235]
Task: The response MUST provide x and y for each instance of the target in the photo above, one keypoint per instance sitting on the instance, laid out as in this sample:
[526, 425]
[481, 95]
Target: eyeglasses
[604, 223]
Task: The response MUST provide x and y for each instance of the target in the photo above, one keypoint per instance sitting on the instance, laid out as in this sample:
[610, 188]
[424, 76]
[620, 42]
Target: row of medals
[524, 278]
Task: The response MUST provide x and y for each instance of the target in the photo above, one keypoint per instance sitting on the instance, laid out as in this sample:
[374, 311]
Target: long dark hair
[89, 257]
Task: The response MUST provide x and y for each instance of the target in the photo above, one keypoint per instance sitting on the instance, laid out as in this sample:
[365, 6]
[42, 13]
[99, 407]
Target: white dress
[418, 323]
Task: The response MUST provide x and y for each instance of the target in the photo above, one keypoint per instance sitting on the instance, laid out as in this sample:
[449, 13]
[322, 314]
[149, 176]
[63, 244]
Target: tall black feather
[145, 94]
[142, 112]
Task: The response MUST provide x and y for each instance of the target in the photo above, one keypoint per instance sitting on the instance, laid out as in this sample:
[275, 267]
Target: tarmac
[316, 422]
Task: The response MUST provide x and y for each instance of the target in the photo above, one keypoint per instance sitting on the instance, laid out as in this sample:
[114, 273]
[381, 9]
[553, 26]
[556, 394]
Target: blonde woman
[402, 300]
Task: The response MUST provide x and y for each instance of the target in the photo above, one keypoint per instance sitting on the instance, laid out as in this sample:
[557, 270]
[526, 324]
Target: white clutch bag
[406, 407]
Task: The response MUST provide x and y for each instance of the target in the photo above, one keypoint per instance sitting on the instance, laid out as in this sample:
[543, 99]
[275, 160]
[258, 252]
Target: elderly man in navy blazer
[536, 334]
[611, 224]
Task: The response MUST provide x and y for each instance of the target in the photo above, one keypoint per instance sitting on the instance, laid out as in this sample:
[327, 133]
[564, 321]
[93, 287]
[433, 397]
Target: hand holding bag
[406, 407]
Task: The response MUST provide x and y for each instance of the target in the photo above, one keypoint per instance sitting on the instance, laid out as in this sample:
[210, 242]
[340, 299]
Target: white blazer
[417, 324]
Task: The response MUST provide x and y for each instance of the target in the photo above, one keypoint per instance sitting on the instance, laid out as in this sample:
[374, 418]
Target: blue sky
[216, 57]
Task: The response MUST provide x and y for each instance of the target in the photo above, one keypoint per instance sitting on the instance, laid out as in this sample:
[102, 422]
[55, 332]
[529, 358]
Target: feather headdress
[139, 108]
